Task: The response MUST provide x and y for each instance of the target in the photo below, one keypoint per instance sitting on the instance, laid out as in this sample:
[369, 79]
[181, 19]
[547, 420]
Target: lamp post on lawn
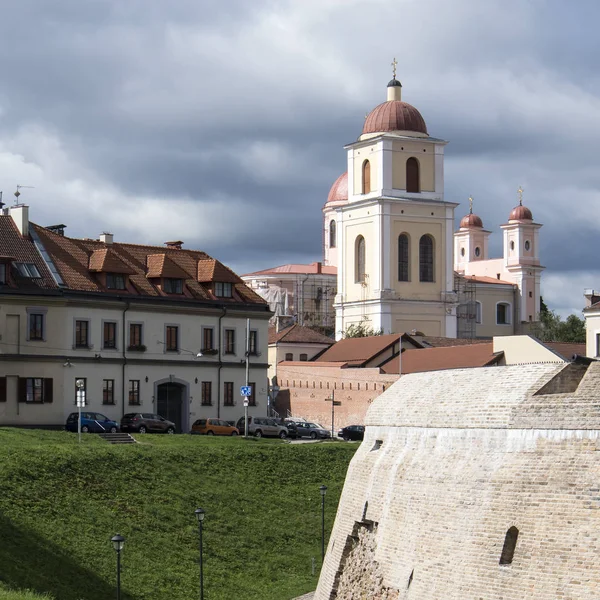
[323, 490]
[199, 512]
[80, 384]
[117, 542]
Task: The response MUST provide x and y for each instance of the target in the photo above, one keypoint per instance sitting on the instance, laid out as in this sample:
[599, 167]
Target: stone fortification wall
[451, 461]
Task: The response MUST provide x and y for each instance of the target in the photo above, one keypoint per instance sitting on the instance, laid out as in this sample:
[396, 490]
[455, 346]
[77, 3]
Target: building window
[360, 259]
[135, 335]
[134, 392]
[109, 335]
[207, 338]
[36, 326]
[366, 177]
[289, 356]
[82, 390]
[207, 393]
[512, 245]
[462, 251]
[527, 245]
[82, 334]
[510, 543]
[253, 342]
[35, 389]
[108, 391]
[115, 281]
[477, 251]
[403, 258]
[28, 270]
[228, 393]
[173, 286]
[252, 396]
[413, 185]
[304, 357]
[426, 258]
[230, 341]
[478, 313]
[332, 239]
[172, 338]
[3, 279]
[502, 313]
[223, 290]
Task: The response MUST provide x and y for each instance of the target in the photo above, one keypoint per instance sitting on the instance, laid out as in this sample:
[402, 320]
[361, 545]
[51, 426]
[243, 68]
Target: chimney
[591, 297]
[174, 245]
[106, 238]
[20, 215]
[319, 267]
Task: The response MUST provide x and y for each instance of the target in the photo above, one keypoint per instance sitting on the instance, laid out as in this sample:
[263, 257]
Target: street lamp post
[117, 542]
[323, 490]
[80, 384]
[199, 512]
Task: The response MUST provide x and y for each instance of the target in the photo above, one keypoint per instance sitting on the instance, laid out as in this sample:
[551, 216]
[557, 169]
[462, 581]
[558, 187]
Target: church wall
[489, 296]
[424, 153]
[463, 456]
[373, 155]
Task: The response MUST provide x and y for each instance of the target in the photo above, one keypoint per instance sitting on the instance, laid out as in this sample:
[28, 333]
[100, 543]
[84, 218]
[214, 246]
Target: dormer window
[28, 270]
[223, 290]
[115, 281]
[173, 286]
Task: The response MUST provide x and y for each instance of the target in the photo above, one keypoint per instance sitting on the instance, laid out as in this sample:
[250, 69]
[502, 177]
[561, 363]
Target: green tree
[552, 328]
[362, 329]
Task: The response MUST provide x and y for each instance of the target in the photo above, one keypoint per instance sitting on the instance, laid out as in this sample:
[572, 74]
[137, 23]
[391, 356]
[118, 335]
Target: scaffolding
[466, 311]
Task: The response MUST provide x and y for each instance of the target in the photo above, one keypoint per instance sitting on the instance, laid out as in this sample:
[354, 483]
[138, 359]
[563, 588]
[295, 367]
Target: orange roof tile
[211, 270]
[296, 269]
[104, 260]
[486, 279]
[160, 265]
[298, 334]
[358, 351]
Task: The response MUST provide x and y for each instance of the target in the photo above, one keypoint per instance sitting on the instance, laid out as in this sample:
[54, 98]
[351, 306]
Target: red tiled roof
[358, 351]
[437, 359]
[296, 269]
[211, 270]
[339, 190]
[298, 334]
[78, 261]
[486, 279]
[566, 349]
[438, 342]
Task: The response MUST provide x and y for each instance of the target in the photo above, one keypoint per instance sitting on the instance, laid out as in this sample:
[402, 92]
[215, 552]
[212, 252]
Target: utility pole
[247, 353]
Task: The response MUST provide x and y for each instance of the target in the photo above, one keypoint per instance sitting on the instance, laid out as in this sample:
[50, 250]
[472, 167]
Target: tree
[362, 329]
[552, 328]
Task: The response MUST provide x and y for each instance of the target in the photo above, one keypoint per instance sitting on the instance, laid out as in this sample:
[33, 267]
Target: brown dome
[394, 115]
[471, 220]
[520, 213]
[339, 190]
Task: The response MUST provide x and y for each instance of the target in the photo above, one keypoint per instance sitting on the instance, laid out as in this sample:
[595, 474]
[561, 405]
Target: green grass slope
[61, 502]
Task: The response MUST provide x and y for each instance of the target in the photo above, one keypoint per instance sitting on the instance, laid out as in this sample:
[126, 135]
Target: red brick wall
[305, 387]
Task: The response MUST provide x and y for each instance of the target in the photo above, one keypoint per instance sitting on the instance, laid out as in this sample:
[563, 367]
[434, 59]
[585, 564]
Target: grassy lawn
[61, 502]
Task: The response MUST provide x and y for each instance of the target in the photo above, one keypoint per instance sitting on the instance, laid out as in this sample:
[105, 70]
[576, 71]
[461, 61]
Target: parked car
[352, 432]
[146, 423]
[91, 422]
[312, 430]
[262, 426]
[213, 427]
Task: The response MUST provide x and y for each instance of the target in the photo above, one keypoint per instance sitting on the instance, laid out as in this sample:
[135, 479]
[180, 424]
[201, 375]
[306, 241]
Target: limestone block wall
[451, 460]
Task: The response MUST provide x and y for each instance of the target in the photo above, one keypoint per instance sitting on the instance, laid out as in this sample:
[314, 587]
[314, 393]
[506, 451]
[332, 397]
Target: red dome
[471, 220]
[520, 213]
[339, 190]
[394, 115]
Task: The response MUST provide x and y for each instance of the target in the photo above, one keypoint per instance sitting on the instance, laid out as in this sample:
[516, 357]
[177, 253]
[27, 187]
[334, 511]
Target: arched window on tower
[332, 234]
[366, 177]
[426, 258]
[510, 543]
[403, 258]
[360, 259]
[413, 183]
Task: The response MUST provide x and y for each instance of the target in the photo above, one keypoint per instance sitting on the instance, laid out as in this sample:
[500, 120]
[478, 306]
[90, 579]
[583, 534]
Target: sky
[222, 124]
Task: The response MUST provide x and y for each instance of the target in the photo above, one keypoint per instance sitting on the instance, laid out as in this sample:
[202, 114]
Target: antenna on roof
[18, 193]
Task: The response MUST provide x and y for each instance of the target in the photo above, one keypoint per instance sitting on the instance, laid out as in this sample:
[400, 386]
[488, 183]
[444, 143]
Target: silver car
[262, 426]
[312, 430]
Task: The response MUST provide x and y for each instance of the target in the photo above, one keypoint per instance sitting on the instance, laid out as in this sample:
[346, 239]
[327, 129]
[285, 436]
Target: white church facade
[389, 230]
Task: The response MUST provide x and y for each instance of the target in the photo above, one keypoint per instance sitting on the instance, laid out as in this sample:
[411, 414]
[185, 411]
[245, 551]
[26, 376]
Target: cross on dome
[470, 205]
[394, 65]
[520, 193]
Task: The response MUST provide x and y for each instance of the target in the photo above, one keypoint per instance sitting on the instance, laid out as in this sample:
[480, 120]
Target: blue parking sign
[246, 390]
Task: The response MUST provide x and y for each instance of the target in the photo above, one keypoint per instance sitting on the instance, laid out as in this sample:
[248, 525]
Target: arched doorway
[169, 403]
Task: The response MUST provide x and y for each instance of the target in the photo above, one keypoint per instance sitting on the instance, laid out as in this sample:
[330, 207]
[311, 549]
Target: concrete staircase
[117, 438]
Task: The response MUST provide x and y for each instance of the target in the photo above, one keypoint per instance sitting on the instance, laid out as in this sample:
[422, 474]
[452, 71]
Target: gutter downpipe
[220, 364]
[124, 357]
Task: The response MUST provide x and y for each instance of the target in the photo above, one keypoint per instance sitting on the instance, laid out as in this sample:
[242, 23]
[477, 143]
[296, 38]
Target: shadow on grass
[28, 561]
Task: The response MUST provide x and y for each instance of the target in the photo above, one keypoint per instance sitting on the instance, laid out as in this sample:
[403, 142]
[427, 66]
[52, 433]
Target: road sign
[245, 401]
[246, 390]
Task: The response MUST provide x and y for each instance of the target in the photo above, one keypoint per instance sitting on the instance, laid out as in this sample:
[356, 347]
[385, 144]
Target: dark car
[352, 432]
[91, 422]
[146, 423]
[311, 430]
[262, 426]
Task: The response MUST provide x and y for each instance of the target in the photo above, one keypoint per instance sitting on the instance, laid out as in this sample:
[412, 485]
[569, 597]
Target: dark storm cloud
[225, 121]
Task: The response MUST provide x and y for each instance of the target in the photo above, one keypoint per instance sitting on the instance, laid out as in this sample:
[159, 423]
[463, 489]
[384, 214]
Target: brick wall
[305, 386]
